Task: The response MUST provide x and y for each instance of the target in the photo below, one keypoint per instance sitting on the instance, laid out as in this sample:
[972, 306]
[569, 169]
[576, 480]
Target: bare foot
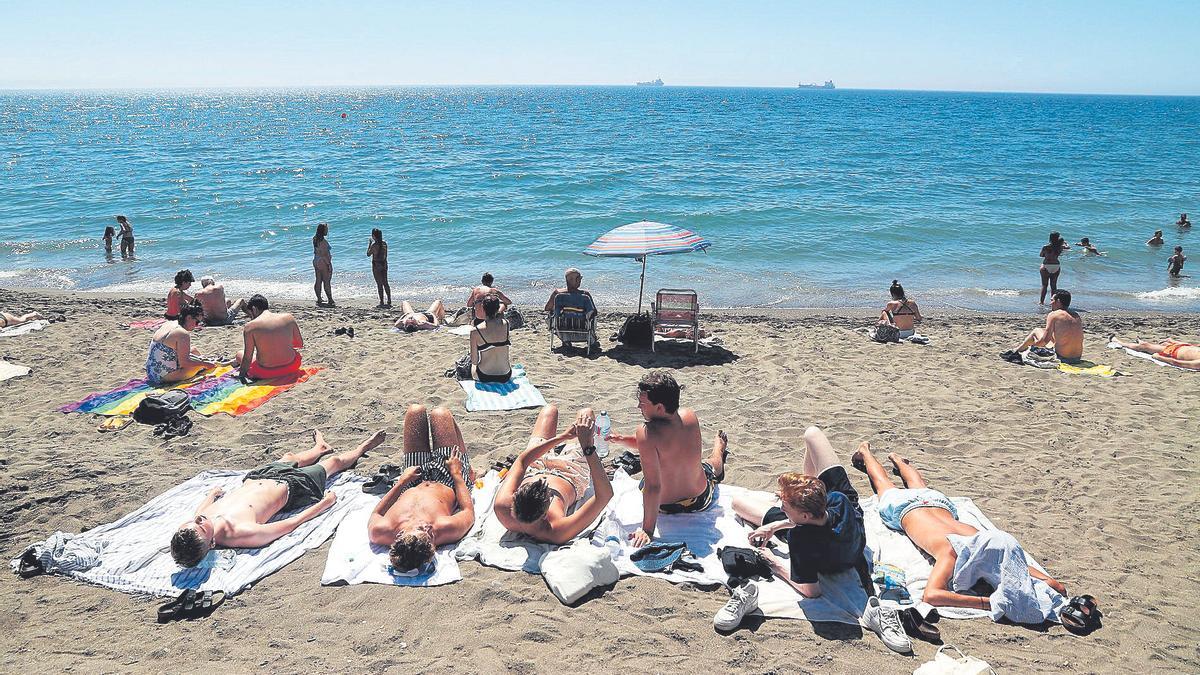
[897, 459]
[319, 441]
[859, 459]
[721, 447]
[374, 441]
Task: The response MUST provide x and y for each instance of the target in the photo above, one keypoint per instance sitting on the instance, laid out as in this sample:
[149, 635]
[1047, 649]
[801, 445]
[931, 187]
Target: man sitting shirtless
[430, 504]
[1181, 354]
[271, 340]
[931, 521]
[217, 310]
[543, 494]
[1063, 331]
[676, 479]
[240, 519]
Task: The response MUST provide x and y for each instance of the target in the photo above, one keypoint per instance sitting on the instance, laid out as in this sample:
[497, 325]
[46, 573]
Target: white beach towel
[461, 331]
[515, 394]
[11, 370]
[136, 558]
[353, 559]
[24, 328]
[493, 545]
[842, 599]
[1113, 344]
[896, 549]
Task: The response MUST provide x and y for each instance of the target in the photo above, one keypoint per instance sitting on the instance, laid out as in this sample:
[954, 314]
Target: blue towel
[515, 394]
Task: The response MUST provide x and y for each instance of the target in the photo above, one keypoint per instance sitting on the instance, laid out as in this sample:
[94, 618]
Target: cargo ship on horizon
[655, 83]
[828, 85]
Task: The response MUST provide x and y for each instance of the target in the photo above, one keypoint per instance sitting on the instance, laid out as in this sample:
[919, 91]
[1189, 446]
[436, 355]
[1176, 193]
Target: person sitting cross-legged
[430, 504]
[543, 494]
[242, 517]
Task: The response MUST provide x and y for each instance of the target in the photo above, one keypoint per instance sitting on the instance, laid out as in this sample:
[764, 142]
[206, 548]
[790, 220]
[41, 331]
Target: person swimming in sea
[1156, 240]
[1050, 265]
[1183, 221]
[1088, 247]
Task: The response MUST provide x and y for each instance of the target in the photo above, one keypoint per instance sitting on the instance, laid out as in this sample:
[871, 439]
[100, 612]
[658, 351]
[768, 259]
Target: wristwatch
[589, 451]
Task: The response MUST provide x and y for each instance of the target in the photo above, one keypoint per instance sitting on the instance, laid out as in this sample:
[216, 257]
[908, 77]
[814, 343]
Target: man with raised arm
[271, 342]
[240, 518]
[543, 494]
[677, 477]
[430, 504]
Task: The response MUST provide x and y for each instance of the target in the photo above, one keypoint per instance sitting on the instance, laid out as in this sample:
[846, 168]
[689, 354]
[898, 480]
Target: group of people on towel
[558, 486]
[271, 343]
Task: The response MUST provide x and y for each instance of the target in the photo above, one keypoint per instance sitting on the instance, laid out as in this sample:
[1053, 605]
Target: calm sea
[810, 198]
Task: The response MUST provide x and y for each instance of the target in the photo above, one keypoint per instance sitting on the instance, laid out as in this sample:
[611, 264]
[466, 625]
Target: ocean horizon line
[249, 88]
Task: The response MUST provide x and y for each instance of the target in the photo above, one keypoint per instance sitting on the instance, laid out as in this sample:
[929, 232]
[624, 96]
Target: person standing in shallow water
[109, 233]
[323, 265]
[1050, 265]
[379, 266]
[126, 237]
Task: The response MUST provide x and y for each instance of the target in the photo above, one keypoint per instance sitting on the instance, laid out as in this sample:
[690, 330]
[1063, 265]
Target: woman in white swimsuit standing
[323, 265]
[1050, 266]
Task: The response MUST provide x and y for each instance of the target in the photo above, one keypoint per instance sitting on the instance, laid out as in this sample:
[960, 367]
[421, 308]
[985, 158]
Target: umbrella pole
[642, 287]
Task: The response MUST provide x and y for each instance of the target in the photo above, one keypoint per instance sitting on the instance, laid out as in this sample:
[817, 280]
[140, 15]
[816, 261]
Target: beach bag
[461, 369]
[743, 564]
[885, 332]
[514, 318]
[162, 408]
[637, 331]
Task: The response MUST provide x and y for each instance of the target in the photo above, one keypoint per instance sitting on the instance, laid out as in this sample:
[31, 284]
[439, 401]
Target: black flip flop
[174, 609]
[1081, 616]
[208, 603]
[29, 565]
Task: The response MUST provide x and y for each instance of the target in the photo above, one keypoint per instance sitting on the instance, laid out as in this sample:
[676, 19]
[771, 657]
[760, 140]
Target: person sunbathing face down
[413, 548]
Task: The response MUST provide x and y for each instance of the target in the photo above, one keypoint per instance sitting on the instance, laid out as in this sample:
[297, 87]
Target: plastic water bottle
[603, 428]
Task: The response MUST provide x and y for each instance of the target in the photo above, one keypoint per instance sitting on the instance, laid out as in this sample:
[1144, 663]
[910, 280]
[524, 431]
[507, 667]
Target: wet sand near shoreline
[1096, 477]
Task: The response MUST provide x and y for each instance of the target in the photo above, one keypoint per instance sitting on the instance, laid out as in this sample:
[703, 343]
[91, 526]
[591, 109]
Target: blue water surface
[811, 198]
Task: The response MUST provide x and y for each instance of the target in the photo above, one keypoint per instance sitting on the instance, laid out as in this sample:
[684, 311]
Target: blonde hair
[803, 493]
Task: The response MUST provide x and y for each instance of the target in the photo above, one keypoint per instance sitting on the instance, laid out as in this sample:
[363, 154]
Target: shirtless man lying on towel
[1182, 354]
[676, 479]
[543, 494]
[271, 340]
[930, 519]
[430, 504]
[239, 519]
[7, 319]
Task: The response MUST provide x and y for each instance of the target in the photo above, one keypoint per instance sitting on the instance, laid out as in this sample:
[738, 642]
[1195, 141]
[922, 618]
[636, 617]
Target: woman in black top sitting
[489, 344]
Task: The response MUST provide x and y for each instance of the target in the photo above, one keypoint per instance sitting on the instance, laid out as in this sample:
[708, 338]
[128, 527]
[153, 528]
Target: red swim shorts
[259, 372]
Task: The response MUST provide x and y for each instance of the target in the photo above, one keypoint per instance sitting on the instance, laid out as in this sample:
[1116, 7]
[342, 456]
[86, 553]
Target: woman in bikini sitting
[177, 297]
[1050, 265]
[7, 320]
[901, 312]
[412, 321]
[543, 494]
[489, 344]
[172, 357]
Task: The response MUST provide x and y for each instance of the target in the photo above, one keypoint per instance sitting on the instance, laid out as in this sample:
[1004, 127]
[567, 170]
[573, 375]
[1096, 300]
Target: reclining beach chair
[676, 309]
[574, 320]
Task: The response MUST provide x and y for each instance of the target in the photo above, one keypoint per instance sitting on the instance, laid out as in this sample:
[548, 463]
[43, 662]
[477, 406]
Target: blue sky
[1099, 46]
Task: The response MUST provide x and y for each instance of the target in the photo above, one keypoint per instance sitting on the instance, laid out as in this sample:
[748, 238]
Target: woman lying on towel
[542, 495]
[1180, 354]
[7, 320]
[964, 556]
[172, 357]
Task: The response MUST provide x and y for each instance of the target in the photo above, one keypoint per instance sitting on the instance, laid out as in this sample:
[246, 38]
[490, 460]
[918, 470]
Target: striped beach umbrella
[646, 238]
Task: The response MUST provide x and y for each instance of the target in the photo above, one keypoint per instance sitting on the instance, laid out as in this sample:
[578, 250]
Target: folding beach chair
[676, 309]
[574, 320]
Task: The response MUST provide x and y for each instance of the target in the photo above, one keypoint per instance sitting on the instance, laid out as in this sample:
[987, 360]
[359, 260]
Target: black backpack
[637, 331]
[164, 407]
[514, 318]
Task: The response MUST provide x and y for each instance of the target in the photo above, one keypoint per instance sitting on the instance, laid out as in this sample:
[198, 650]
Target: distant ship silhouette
[655, 83]
[828, 85]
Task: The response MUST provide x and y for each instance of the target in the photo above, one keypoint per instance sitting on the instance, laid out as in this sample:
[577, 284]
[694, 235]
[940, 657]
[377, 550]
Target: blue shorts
[896, 503]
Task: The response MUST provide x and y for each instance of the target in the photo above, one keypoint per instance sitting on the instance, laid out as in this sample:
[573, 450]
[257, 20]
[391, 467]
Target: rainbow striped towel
[220, 392]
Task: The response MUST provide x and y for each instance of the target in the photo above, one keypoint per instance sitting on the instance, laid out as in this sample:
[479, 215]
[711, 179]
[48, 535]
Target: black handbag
[162, 408]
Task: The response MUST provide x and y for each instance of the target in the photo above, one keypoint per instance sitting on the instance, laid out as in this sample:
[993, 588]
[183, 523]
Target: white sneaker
[743, 601]
[886, 624]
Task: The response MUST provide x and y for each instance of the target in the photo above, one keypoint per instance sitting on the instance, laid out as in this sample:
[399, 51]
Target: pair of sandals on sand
[191, 604]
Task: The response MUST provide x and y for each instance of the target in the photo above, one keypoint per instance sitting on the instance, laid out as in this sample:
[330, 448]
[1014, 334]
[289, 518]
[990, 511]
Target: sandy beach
[1094, 476]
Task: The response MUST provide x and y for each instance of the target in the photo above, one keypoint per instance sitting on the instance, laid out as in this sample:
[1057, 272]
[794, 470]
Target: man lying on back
[240, 519]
